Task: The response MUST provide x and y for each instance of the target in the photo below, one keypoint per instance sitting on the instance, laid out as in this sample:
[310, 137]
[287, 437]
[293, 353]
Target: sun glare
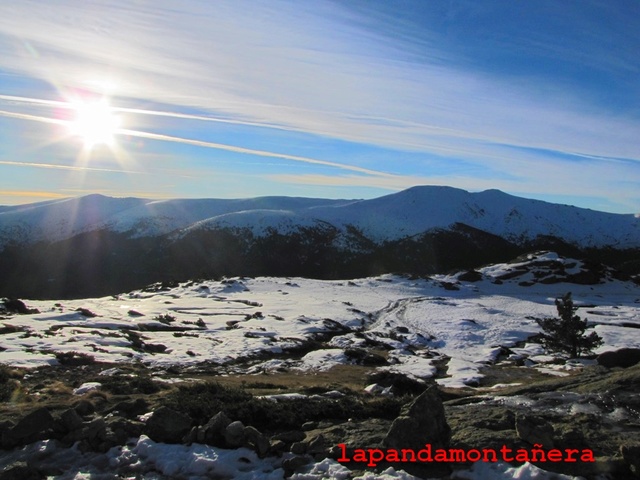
[95, 123]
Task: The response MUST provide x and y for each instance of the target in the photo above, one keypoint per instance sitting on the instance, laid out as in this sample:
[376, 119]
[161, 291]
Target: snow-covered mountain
[96, 245]
[391, 217]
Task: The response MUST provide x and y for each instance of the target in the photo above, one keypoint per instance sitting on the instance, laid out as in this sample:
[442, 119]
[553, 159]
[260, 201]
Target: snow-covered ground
[146, 459]
[245, 324]
[418, 321]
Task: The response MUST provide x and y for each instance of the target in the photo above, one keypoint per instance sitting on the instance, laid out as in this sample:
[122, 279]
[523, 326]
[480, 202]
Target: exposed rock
[309, 426]
[534, 430]
[290, 437]
[422, 422]
[37, 425]
[631, 455]
[215, 428]
[131, 408]
[71, 420]
[318, 446]
[13, 305]
[299, 448]
[257, 440]
[167, 426]
[123, 429]
[21, 471]
[292, 464]
[470, 276]
[625, 357]
[84, 407]
[234, 434]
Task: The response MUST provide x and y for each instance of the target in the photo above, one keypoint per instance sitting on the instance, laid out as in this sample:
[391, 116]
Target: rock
[421, 423]
[534, 430]
[631, 456]
[35, 426]
[84, 407]
[292, 464]
[309, 426]
[234, 435]
[277, 447]
[21, 471]
[167, 426]
[257, 441]
[290, 437]
[215, 428]
[299, 448]
[91, 436]
[123, 429]
[318, 446]
[131, 408]
[71, 420]
[625, 357]
[470, 276]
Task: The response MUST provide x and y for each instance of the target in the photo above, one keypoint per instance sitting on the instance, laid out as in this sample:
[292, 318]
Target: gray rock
[35, 426]
[167, 426]
[214, 429]
[71, 420]
[309, 426]
[123, 429]
[84, 407]
[234, 434]
[534, 430]
[21, 471]
[290, 437]
[631, 456]
[277, 447]
[292, 464]
[299, 448]
[423, 422]
[257, 441]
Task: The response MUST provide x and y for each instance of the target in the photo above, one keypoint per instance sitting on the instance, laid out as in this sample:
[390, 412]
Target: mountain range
[95, 245]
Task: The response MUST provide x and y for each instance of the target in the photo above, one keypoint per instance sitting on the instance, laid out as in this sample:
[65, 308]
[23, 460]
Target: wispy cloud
[75, 168]
[461, 81]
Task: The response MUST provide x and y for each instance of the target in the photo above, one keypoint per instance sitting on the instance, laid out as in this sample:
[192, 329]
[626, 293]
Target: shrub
[566, 333]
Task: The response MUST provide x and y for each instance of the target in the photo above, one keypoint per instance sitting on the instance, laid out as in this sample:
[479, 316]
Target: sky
[323, 98]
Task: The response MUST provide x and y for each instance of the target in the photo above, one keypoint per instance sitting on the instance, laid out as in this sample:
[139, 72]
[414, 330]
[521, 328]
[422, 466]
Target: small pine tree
[567, 333]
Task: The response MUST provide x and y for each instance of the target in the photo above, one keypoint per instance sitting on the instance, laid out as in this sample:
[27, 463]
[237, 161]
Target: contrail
[67, 167]
[249, 151]
[188, 141]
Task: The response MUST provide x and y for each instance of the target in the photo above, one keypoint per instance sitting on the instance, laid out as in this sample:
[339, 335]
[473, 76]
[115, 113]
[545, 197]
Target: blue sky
[340, 99]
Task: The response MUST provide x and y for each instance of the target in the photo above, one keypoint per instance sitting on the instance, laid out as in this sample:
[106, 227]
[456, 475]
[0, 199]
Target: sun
[95, 123]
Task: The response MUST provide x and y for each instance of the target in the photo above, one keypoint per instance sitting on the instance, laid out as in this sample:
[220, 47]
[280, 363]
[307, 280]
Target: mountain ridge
[99, 245]
[390, 217]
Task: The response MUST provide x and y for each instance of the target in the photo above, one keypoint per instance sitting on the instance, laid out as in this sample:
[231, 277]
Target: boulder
[625, 357]
[234, 434]
[422, 422]
[21, 471]
[167, 426]
[37, 425]
[213, 430]
[534, 430]
[631, 456]
[256, 440]
[71, 420]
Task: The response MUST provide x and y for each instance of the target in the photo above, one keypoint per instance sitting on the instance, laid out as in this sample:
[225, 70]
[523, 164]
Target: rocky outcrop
[167, 426]
[422, 422]
[625, 357]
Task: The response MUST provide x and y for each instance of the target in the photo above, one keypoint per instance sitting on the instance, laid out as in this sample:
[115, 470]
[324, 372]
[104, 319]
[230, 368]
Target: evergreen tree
[566, 333]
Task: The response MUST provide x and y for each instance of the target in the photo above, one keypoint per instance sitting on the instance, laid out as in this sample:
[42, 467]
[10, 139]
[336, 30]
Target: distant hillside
[97, 245]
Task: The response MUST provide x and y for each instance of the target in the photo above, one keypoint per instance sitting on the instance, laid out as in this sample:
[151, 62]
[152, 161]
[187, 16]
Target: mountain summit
[95, 244]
